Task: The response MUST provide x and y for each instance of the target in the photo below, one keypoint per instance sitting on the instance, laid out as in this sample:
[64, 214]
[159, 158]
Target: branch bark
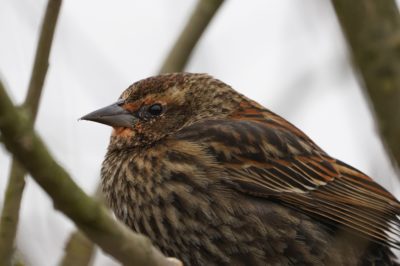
[372, 31]
[16, 181]
[79, 250]
[180, 52]
[90, 217]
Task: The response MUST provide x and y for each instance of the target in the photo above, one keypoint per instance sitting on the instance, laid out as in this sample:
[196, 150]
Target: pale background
[288, 55]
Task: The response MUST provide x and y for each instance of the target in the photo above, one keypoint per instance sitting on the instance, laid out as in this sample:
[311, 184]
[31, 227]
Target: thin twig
[16, 182]
[89, 216]
[200, 18]
[372, 31]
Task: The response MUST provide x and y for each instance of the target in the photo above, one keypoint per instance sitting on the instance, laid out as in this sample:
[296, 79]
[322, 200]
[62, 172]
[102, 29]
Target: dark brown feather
[287, 168]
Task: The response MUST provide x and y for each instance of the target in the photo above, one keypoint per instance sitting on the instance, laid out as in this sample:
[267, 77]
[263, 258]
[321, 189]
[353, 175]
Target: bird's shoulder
[264, 156]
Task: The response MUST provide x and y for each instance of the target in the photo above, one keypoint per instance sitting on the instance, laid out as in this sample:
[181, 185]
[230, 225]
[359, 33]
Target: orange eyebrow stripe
[131, 106]
[134, 106]
[148, 100]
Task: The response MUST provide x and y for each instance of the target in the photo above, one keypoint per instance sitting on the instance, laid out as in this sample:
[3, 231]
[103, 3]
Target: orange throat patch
[122, 132]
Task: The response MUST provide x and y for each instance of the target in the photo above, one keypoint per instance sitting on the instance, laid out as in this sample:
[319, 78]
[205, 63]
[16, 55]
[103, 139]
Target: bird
[214, 178]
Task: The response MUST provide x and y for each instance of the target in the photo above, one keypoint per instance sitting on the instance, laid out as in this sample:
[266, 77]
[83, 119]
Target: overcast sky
[288, 55]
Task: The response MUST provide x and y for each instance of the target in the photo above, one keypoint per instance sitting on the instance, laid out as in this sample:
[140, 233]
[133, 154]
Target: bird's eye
[155, 109]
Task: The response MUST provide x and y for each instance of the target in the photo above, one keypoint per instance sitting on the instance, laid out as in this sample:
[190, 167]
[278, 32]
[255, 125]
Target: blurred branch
[90, 217]
[10, 212]
[42, 57]
[175, 62]
[18, 259]
[79, 249]
[16, 181]
[372, 30]
[200, 18]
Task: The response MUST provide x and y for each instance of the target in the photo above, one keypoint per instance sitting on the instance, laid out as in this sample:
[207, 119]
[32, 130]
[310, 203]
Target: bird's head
[153, 108]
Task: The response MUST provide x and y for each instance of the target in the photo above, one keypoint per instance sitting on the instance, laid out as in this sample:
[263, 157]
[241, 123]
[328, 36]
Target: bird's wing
[265, 159]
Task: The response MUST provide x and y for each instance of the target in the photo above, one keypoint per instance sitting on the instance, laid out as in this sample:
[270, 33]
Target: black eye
[155, 109]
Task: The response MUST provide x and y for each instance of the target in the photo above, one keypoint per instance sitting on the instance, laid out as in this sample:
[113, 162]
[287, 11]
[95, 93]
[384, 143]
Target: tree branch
[79, 249]
[372, 31]
[90, 217]
[180, 52]
[42, 57]
[10, 212]
[16, 181]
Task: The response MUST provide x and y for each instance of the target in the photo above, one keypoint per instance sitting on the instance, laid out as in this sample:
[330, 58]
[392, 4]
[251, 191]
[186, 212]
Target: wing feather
[276, 162]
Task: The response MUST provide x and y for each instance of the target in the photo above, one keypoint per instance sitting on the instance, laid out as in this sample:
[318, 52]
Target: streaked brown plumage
[214, 178]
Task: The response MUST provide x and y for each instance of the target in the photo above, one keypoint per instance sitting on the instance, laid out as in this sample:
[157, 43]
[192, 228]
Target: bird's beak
[113, 115]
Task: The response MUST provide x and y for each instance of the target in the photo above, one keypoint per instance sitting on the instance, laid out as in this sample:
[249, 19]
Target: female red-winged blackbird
[214, 178]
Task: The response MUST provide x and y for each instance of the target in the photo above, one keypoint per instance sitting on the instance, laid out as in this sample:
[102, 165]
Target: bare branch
[10, 212]
[79, 250]
[90, 217]
[200, 18]
[42, 57]
[16, 182]
[372, 31]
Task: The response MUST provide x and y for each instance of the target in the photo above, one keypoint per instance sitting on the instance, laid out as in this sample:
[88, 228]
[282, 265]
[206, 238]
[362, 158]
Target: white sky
[288, 55]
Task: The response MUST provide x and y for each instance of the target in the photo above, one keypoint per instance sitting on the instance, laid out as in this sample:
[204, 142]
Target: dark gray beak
[113, 115]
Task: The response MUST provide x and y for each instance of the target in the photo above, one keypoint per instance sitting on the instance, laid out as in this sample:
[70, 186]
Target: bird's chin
[123, 132]
[121, 138]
